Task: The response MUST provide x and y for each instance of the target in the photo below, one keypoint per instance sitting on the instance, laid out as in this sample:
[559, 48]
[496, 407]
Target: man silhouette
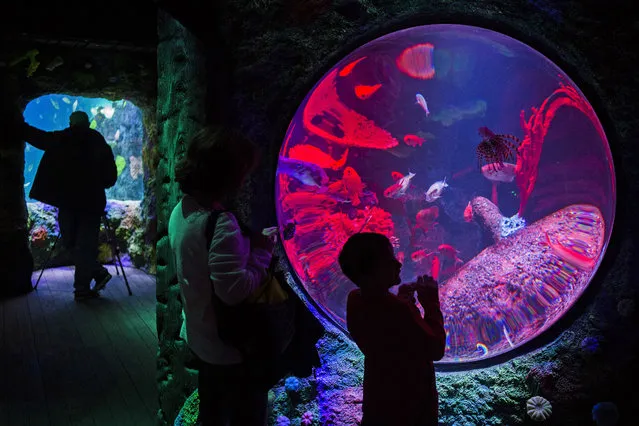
[76, 168]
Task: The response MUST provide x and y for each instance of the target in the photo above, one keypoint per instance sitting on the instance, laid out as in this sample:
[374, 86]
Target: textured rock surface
[513, 290]
[488, 216]
[279, 57]
[181, 109]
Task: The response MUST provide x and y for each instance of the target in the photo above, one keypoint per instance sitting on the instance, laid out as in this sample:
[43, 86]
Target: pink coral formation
[352, 128]
[323, 223]
[535, 130]
[39, 236]
[307, 418]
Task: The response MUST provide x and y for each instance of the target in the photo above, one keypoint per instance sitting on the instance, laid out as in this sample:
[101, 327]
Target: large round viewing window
[481, 161]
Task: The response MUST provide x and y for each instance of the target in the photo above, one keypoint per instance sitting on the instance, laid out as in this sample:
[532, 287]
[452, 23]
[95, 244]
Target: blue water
[120, 122]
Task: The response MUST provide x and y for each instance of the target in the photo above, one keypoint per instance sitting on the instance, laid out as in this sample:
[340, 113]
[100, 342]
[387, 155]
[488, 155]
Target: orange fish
[314, 155]
[349, 67]
[399, 188]
[425, 218]
[414, 140]
[365, 92]
[434, 267]
[449, 252]
[396, 176]
[420, 255]
[468, 213]
[352, 184]
[400, 257]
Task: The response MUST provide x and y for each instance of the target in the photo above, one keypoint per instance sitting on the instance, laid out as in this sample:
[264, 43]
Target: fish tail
[342, 161]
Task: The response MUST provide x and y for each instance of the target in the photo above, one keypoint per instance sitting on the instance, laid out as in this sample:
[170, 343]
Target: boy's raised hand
[406, 292]
[426, 286]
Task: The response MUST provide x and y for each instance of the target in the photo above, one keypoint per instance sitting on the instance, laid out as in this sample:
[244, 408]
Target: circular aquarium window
[477, 156]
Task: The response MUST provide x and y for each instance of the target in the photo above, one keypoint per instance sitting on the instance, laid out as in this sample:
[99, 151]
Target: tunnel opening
[120, 122]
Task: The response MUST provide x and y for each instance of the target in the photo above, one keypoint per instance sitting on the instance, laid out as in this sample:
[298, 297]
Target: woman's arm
[234, 270]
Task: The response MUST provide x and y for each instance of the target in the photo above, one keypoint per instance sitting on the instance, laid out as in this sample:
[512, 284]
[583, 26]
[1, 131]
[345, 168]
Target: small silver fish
[435, 190]
[422, 103]
[75, 105]
[27, 184]
[66, 100]
[399, 188]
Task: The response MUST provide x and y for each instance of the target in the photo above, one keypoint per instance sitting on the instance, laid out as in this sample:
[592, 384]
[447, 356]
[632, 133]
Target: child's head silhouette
[367, 259]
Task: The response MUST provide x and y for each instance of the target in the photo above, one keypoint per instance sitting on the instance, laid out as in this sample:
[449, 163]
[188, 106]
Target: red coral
[325, 113]
[535, 130]
[321, 233]
[39, 236]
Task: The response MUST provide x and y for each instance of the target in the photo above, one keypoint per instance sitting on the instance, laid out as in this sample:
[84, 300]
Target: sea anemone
[292, 384]
[39, 236]
[307, 418]
[282, 421]
[605, 414]
[538, 408]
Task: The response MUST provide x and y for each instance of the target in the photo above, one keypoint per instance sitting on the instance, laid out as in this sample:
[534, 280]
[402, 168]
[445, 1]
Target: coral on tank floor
[125, 219]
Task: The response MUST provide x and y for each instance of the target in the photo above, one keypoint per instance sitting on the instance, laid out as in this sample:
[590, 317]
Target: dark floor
[69, 363]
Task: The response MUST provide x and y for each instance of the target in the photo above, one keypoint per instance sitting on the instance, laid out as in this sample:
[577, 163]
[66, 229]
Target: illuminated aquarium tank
[479, 158]
[120, 122]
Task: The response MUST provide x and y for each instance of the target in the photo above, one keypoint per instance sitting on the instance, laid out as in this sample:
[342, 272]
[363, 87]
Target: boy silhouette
[398, 344]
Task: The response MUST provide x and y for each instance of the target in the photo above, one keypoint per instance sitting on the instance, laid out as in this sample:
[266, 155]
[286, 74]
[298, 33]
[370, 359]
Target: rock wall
[181, 113]
[17, 264]
[281, 48]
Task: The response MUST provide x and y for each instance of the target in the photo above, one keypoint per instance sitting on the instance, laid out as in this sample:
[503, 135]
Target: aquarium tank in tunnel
[481, 161]
[120, 122]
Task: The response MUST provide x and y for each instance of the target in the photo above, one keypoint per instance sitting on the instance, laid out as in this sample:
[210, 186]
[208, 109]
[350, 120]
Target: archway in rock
[120, 123]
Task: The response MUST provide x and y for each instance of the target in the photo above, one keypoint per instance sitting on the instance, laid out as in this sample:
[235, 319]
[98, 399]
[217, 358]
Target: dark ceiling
[130, 22]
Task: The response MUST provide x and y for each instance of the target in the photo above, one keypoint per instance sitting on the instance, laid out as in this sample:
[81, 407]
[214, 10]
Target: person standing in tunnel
[76, 168]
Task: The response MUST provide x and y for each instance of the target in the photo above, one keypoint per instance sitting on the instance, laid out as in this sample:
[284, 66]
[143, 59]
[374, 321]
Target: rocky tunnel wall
[180, 114]
[275, 52]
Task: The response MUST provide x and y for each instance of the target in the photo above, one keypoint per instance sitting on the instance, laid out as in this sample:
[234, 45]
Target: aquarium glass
[120, 122]
[479, 158]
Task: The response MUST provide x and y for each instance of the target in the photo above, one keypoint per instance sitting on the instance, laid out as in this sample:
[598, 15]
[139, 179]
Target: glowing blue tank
[119, 122]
